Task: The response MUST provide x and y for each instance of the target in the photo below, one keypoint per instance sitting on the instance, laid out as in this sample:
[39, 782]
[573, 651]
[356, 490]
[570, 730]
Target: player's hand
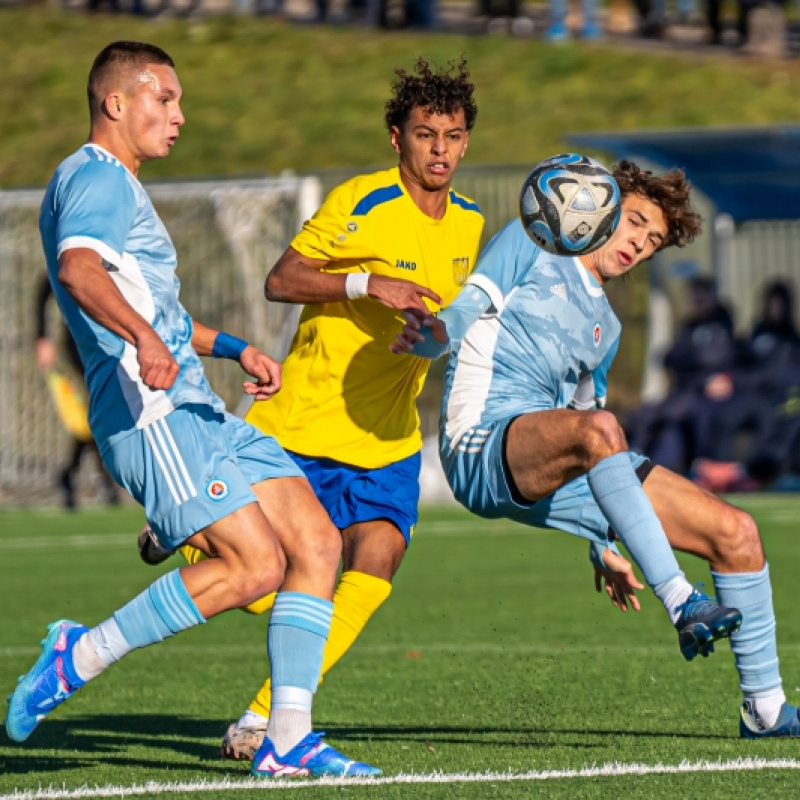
[412, 331]
[157, 368]
[400, 294]
[46, 354]
[618, 580]
[265, 370]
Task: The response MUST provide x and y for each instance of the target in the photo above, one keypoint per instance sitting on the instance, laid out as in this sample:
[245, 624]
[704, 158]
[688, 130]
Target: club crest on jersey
[217, 489]
[352, 227]
[461, 270]
[597, 334]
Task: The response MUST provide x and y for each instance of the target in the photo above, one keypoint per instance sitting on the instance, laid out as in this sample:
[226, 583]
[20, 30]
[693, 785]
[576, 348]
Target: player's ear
[394, 138]
[113, 106]
[466, 143]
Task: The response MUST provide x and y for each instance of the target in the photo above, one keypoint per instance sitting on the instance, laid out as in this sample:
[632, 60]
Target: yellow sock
[358, 596]
[193, 555]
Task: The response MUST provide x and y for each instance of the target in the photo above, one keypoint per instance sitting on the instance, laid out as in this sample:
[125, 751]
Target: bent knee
[256, 580]
[738, 541]
[603, 436]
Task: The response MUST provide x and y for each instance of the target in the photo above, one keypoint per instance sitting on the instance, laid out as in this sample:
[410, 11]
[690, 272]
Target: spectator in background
[764, 397]
[559, 31]
[704, 347]
[47, 359]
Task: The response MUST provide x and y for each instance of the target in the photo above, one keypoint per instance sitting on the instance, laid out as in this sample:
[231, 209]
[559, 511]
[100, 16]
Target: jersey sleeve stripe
[462, 202]
[375, 198]
[102, 249]
[491, 289]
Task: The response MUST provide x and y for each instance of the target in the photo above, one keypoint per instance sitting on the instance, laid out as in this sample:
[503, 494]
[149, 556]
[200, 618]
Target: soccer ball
[569, 205]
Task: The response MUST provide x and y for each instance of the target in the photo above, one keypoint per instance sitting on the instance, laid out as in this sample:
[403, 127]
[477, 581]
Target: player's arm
[83, 273]
[429, 336]
[296, 278]
[266, 371]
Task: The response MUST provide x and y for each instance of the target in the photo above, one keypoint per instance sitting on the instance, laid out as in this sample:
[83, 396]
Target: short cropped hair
[671, 192]
[116, 58]
[441, 92]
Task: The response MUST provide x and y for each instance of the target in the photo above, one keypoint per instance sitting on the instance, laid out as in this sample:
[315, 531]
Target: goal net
[227, 234]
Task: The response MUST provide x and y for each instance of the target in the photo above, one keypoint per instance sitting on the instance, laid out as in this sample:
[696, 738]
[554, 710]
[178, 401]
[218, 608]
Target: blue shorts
[353, 494]
[194, 467]
[477, 475]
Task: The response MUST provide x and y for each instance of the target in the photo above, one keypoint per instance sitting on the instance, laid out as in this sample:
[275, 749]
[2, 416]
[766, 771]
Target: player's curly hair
[671, 192]
[440, 92]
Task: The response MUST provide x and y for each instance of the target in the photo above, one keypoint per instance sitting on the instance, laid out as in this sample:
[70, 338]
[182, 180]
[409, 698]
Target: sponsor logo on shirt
[411, 265]
[560, 290]
[217, 489]
[461, 270]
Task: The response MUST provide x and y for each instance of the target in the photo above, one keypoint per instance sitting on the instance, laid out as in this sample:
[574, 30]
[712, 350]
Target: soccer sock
[673, 594]
[755, 650]
[358, 596]
[298, 628]
[160, 611]
[619, 493]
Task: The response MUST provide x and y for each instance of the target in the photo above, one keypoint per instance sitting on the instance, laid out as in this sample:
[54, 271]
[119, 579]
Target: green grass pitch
[494, 654]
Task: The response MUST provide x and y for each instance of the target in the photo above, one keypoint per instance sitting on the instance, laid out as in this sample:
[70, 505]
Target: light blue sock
[755, 650]
[160, 611]
[296, 636]
[619, 493]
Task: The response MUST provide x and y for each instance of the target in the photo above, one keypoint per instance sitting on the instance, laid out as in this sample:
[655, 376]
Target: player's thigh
[698, 522]
[375, 547]
[546, 449]
[181, 469]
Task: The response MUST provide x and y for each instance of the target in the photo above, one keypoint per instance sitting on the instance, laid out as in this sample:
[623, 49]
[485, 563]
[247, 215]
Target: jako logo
[217, 489]
[406, 264]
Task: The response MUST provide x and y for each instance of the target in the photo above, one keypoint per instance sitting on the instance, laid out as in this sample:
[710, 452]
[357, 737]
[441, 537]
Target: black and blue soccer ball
[569, 205]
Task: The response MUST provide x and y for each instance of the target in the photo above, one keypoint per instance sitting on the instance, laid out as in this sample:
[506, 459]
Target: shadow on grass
[92, 739]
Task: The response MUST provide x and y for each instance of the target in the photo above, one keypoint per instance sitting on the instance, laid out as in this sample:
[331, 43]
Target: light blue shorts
[477, 475]
[194, 467]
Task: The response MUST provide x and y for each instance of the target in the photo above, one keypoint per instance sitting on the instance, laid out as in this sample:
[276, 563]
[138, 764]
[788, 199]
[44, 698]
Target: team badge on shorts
[597, 334]
[217, 489]
[461, 270]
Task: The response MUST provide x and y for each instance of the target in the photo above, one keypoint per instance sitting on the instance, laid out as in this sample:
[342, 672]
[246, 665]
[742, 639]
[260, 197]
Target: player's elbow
[275, 288]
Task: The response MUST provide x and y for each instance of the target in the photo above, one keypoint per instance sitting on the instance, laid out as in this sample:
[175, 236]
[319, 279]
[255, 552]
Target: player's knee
[257, 579]
[738, 541]
[603, 436]
[323, 548]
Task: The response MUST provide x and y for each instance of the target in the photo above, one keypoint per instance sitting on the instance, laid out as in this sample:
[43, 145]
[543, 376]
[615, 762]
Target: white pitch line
[610, 770]
[100, 540]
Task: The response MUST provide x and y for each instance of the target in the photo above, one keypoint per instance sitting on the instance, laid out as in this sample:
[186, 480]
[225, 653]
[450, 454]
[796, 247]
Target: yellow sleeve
[334, 234]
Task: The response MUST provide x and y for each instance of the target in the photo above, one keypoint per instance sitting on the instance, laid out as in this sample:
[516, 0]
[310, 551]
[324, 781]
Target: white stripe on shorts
[161, 451]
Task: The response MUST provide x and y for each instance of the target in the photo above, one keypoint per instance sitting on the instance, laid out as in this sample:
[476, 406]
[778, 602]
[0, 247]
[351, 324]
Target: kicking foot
[310, 758]
[49, 682]
[702, 622]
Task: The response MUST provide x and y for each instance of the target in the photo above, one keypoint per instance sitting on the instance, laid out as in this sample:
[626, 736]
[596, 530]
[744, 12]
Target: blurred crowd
[731, 421]
[757, 26]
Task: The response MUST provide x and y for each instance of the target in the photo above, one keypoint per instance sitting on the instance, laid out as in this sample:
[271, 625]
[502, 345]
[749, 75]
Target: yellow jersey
[345, 396]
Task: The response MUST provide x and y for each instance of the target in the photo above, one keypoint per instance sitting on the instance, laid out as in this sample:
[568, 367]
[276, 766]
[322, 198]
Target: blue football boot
[49, 682]
[310, 758]
[702, 622]
[751, 726]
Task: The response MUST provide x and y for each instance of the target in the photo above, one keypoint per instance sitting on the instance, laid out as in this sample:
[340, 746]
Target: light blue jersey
[545, 339]
[93, 201]
[529, 332]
